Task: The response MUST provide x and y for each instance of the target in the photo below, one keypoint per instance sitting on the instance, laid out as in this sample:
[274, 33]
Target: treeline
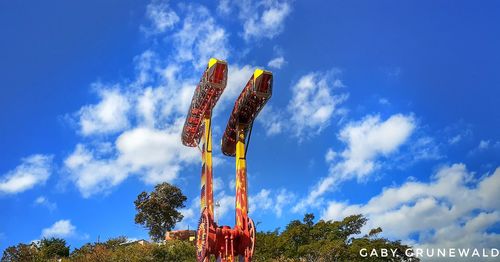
[115, 249]
[325, 241]
[300, 241]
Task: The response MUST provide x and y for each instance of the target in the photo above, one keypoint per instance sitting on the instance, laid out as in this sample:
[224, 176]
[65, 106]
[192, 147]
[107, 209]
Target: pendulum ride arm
[198, 127]
[198, 123]
[252, 99]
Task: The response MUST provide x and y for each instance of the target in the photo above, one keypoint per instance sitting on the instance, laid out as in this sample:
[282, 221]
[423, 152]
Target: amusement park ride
[223, 242]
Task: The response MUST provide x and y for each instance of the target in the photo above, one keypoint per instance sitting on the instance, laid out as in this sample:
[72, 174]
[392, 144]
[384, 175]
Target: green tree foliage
[54, 248]
[175, 250]
[21, 252]
[45, 250]
[158, 211]
[113, 250]
[324, 241]
[113, 243]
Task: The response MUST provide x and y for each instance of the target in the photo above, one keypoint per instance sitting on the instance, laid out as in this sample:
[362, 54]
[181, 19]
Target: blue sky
[385, 108]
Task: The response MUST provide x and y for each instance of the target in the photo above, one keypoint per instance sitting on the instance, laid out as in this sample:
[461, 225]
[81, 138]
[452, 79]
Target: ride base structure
[223, 242]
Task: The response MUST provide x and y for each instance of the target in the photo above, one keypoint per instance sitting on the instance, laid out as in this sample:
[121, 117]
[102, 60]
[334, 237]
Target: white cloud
[43, 201]
[226, 204]
[146, 107]
[161, 17]
[272, 120]
[191, 215]
[261, 19]
[173, 95]
[232, 184]
[146, 67]
[366, 141]
[224, 6]
[483, 144]
[200, 38]
[156, 155]
[274, 201]
[260, 201]
[313, 103]
[277, 62]
[282, 199]
[455, 139]
[92, 174]
[148, 122]
[311, 108]
[237, 78]
[34, 170]
[269, 23]
[384, 101]
[454, 209]
[108, 116]
[370, 138]
[424, 147]
[218, 184]
[330, 155]
[157, 152]
[62, 228]
[421, 148]
[457, 132]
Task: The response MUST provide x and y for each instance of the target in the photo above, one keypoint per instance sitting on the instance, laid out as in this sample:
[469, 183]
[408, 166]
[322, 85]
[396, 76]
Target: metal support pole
[241, 181]
[207, 197]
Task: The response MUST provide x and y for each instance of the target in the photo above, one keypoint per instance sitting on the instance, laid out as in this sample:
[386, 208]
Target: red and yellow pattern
[241, 182]
[207, 197]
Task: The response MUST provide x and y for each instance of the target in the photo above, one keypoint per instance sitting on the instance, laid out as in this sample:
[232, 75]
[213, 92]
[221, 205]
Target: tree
[91, 252]
[267, 246]
[45, 249]
[54, 248]
[116, 250]
[324, 241]
[21, 252]
[115, 242]
[174, 250]
[158, 211]
[309, 219]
